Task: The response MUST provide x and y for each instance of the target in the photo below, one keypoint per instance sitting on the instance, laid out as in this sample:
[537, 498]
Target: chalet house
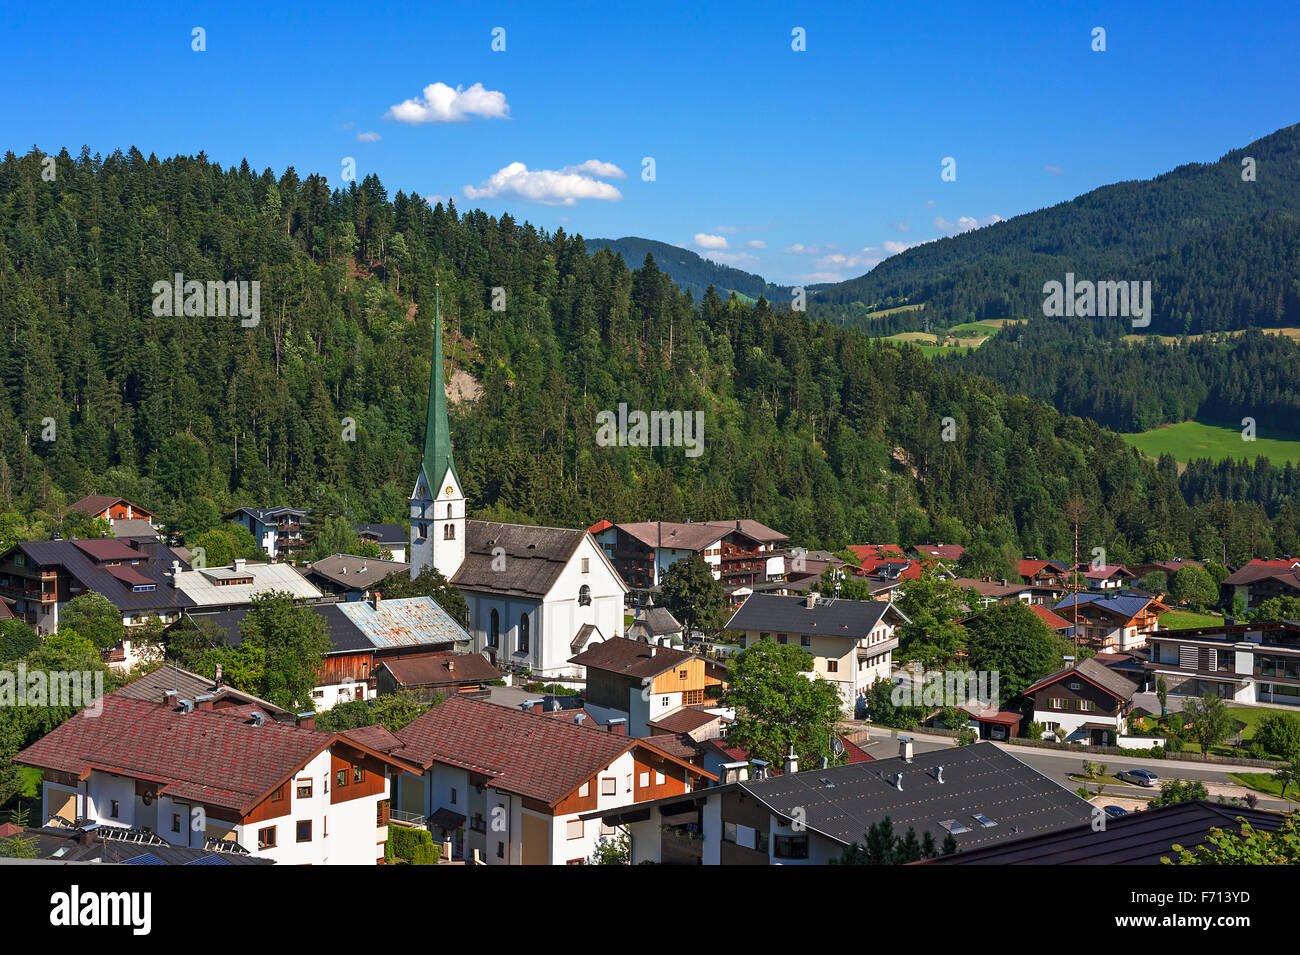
[512, 788]
[1246, 663]
[214, 589]
[435, 674]
[389, 537]
[364, 634]
[1262, 580]
[170, 679]
[1167, 567]
[741, 552]
[978, 794]
[645, 682]
[1044, 573]
[1115, 622]
[1105, 577]
[112, 509]
[39, 577]
[278, 530]
[1084, 702]
[851, 642]
[198, 776]
[349, 577]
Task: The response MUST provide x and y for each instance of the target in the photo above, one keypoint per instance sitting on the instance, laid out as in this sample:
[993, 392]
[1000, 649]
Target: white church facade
[536, 595]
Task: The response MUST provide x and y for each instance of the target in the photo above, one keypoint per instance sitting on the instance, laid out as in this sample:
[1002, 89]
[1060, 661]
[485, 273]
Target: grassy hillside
[1192, 440]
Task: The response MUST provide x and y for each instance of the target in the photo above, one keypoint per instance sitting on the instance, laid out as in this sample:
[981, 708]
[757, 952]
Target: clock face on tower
[449, 490]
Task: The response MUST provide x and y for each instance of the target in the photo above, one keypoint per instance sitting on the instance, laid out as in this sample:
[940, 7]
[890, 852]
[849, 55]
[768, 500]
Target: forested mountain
[1086, 368]
[691, 272]
[814, 429]
[1220, 252]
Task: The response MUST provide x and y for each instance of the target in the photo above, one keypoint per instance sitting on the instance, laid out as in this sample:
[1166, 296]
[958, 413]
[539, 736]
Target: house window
[805, 641]
[761, 842]
[1086, 706]
[266, 838]
[663, 701]
[781, 638]
[1057, 703]
[1074, 686]
[792, 847]
[609, 786]
[304, 830]
[629, 782]
[573, 829]
[659, 779]
[453, 795]
[494, 629]
[176, 822]
[644, 780]
[501, 850]
[586, 565]
[304, 789]
[358, 774]
[382, 812]
[278, 795]
[584, 594]
[584, 790]
[112, 811]
[729, 832]
[832, 666]
[523, 633]
[341, 778]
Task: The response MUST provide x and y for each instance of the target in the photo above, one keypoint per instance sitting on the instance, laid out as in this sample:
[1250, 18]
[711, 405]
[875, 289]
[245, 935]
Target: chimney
[1003, 581]
[176, 569]
[736, 772]
[810, 601]
[169, 698]
[791, 762]
[239, 565]
[905, 748]
[306, 720]
[203, 702]
[653, 647]
[618, 726]
[760, 768]
[375, 598]
[451, 664]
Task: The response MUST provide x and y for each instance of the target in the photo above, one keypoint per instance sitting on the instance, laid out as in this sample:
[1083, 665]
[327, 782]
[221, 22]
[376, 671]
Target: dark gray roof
[843, 802]
[343, 633]
[89, 846]
[655, 622]
[383, 533]
[534, 558]
[853, 619]
[155, 563]
[1106, 678]
[353, 573]
[1140, 838]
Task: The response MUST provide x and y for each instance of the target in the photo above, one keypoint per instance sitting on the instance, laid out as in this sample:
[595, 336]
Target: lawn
[1265, 783]
[1192, 439]
[1186, 620]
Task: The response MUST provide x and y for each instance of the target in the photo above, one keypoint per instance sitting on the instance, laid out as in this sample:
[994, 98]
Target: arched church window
[449, 532]
[448, 512]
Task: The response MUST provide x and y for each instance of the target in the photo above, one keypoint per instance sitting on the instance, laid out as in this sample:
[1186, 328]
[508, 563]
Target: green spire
[437, 432]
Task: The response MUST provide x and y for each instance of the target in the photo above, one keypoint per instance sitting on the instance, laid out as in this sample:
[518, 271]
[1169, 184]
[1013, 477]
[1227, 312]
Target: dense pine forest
[1220, 251]
[813, 428]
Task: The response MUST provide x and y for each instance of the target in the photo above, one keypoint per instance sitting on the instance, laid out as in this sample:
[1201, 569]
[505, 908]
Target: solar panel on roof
[209, 860]
[955, 827]
[147, 859]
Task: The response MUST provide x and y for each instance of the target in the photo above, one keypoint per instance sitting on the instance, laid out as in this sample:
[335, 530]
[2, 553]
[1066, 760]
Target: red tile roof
[216, 757]
[1055, 621]
[865, 552]
[686, 720]
[443, 669]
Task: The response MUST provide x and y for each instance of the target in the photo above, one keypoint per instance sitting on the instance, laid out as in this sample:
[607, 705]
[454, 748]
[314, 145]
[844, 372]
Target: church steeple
[437, 431]
[437, 502]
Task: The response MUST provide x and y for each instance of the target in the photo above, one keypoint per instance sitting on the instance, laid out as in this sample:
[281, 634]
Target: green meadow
[1192, 439]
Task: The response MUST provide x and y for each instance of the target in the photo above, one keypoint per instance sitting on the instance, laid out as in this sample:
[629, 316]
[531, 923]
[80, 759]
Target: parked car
[1114, 812]
[1138, 777]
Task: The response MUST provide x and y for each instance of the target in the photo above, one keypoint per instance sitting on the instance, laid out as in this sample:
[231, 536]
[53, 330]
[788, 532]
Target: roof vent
[259, 718]
[187, 706]
[898, 781]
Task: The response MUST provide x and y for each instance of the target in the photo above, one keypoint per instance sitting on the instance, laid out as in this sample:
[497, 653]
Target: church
[536, 595]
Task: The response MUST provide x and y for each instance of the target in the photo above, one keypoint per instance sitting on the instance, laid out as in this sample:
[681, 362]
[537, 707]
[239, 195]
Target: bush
[1174, 744]
[412, 846]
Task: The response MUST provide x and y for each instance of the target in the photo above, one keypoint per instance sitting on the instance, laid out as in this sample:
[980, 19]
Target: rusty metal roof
[404, 622]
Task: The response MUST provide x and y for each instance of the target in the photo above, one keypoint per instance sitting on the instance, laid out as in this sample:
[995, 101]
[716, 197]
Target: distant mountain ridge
[691, 272]
[1219, 249]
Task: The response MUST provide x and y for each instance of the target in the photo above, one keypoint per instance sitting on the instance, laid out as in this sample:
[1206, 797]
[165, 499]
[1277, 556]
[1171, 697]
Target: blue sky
[801, 166]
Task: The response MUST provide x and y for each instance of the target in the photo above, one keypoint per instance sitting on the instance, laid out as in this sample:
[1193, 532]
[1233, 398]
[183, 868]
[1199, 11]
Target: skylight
[955, 827]
[983, 820]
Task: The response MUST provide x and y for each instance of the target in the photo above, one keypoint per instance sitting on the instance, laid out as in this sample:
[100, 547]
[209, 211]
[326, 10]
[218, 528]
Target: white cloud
[368, 137]
[963, 224]
[930, 203]
[756, 244]
[439, 103]
[800, 249]
[706, 241]
[812, 278]
[596, 170]
[1054, 170]
[902, 227]
[435, 199]
[727, 228]
[550, 187]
